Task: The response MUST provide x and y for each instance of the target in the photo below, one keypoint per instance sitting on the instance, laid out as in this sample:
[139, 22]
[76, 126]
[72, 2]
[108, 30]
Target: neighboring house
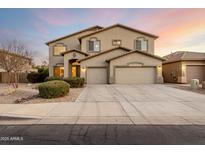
[22, 74]
[114, 54]
[182, 66]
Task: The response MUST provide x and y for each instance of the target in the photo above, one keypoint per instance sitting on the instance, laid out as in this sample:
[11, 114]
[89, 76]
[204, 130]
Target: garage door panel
[195, 72]
[135, 75]
[96, 75]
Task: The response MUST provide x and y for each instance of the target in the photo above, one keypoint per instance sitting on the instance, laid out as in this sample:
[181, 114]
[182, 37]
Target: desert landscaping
[30, 90]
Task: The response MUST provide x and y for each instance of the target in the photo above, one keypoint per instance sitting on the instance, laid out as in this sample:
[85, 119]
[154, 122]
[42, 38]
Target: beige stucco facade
[70, 56]
[126, 36]
[71, 42]
[99, 61]
[135, 60]
[176, 72]
[95, 67]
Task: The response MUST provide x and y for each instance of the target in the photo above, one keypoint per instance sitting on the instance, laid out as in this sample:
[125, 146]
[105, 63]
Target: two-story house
[115, 54]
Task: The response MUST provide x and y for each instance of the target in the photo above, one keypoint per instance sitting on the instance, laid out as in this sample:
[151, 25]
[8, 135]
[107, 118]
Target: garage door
[96, 75]
[135, 75]
[195, 72]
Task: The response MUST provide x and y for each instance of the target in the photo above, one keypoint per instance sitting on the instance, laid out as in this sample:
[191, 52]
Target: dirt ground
[26, 90]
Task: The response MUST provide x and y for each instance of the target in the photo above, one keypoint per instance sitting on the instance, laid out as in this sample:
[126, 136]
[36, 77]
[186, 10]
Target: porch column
[66, 66]
[159, 74]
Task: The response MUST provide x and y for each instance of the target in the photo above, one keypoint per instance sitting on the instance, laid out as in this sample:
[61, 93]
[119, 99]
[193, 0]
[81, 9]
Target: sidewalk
[62, 113]
[84, 113]
[114, 104]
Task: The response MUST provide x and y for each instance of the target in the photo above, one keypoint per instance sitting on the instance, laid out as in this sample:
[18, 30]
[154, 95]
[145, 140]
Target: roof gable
[136, 51]
[81, 31]
[122, 26]
[74, 50]
[107, 51]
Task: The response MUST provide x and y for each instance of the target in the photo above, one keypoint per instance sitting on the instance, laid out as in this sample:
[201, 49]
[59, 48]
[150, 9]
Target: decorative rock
[25, 99]
[203, 84]
[194, 84]
[8, 91]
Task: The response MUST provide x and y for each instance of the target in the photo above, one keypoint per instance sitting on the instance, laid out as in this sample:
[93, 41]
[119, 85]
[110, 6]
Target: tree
[44, 62]
[14, 57]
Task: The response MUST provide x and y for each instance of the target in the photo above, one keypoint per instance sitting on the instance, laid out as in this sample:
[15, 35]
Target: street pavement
[130, 114]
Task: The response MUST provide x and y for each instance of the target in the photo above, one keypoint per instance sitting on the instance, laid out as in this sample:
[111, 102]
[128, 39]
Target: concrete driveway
[115, 104]
[142, 104]
[110, 114]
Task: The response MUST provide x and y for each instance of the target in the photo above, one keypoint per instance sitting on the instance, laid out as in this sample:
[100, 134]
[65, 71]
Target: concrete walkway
[114, 104]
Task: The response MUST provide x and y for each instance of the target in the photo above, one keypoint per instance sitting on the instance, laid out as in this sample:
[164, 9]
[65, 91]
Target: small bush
[53, 89]
[37, 77]
[76, 82]
[33, 77]
[53, 78]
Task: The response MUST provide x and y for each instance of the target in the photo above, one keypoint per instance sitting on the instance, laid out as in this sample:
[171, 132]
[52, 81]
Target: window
[58, 71]
[141, 44]
[58, 49]
[93, 45]
[116, 42]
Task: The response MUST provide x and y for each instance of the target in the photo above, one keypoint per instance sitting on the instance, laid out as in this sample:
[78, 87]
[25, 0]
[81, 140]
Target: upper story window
[58, 49]
[94, 45]
[141, 44]
[116, 42]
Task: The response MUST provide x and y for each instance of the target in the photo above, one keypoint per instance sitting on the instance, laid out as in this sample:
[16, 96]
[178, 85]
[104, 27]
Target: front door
[75, 71]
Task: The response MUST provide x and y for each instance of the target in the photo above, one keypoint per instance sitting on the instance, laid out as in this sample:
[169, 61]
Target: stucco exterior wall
[184, 66]
[70, 43]
[68, 57]
[172, 72]
[127, 37]
[132, 60]
[180, 69]
[100, 61]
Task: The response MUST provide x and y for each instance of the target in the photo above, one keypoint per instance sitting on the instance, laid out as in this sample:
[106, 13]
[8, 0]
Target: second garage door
[195, 72]
[97, 75]
[135, 75]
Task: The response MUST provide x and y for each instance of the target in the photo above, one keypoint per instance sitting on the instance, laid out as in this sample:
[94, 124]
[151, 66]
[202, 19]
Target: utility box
[203, 84]
[194, 84]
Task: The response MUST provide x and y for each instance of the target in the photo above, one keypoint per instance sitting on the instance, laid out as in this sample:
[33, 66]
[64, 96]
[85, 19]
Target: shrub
[53, 89]
[76, 82]
[53, 78]
[36, 77]
[33, 77]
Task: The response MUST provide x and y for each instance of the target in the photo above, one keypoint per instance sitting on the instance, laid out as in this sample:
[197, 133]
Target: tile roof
[184, 55]
[136, 51]
[47, 43]
[103, 52]
[74, 50]
[123, 26]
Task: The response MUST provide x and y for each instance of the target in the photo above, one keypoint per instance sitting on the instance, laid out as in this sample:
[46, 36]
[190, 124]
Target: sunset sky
[178, 29]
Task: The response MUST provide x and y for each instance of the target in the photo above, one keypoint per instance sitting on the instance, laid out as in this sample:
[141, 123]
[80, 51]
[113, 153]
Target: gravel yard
[26, 90]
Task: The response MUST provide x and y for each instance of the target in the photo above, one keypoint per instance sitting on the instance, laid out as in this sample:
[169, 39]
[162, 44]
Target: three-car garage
[121, 67]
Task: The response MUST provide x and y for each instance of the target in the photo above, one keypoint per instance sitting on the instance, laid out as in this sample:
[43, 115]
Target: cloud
[55, 17]
[105, 17]
[40, 27]
[177, 28]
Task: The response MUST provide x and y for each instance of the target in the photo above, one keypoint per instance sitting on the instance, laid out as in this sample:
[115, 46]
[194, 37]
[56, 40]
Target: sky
[178, 29]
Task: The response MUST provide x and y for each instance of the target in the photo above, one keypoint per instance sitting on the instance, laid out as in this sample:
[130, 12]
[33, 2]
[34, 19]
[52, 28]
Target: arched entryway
[75, 68]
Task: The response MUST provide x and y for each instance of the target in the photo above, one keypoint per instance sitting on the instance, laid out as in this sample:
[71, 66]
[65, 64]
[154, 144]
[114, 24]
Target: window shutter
[144, 45]
[96, 46]
[138, 44]
[91, 45]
